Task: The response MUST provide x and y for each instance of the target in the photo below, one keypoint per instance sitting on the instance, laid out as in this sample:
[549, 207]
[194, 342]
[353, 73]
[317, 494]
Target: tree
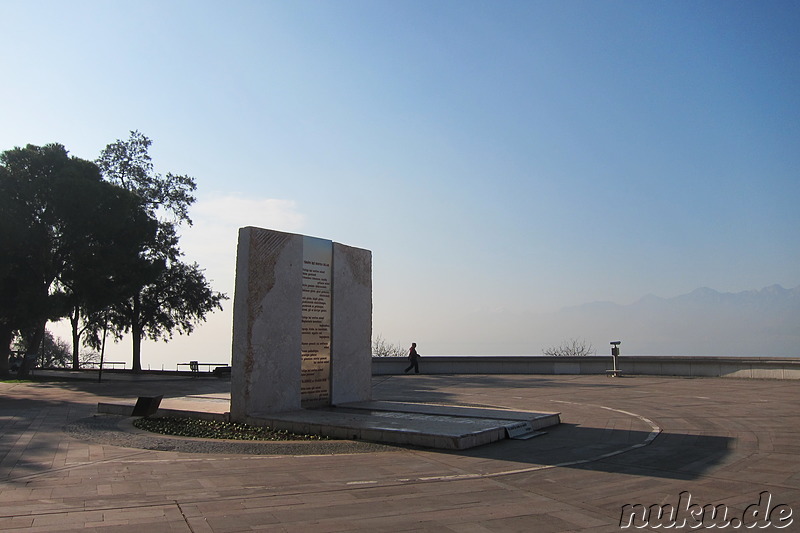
[56, 214]
[21, 300]
[180, 296]
[99, 276]
[26, 235]
[178, 299]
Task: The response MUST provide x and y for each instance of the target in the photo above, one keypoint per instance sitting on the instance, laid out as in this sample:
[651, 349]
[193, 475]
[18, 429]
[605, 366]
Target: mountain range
[762, 322]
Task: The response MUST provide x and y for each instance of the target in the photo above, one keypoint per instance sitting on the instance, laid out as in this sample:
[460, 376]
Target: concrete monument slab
[302, 323]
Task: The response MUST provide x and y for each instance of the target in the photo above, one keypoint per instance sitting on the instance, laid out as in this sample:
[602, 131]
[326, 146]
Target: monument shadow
[670, 455]
[673, 455]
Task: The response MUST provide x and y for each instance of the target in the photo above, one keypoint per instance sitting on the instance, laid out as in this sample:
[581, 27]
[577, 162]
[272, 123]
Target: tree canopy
[128, 164]
[61, 224]
[113, 263]
[98, 243]
[180, 296]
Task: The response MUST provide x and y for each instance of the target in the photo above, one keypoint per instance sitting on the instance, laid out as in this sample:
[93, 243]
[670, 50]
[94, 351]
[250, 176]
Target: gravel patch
[116, 430]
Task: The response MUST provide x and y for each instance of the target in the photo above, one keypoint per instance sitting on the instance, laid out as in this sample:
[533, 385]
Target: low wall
[694, 366]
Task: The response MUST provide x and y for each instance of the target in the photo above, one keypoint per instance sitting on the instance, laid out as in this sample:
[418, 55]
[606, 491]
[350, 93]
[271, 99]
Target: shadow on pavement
[669, 455]
[674, 456]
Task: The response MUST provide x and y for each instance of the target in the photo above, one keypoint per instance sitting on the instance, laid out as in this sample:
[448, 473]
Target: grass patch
[209, 429]
[15, 381]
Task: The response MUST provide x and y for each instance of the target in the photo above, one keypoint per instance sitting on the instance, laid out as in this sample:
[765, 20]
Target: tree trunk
[136, 331]
[74, 319]
[33, 344]
[5, 349]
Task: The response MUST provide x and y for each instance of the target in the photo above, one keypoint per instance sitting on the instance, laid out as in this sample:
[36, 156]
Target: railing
[106, 364]
[194, 366]
[691, 366]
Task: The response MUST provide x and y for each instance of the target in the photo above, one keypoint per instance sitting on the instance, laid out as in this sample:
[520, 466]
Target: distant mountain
[772, 296]
[764, 322]
[703, 322]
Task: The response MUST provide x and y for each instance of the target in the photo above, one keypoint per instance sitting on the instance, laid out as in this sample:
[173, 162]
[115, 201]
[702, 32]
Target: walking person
[413, 357]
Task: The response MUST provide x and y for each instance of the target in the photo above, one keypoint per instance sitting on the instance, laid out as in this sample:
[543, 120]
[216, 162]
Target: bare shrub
[381, 348]
[89, 359]
[570, 348]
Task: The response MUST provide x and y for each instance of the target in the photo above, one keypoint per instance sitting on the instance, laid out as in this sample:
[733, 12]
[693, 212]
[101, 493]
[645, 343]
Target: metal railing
[106, 364]
[194, 366]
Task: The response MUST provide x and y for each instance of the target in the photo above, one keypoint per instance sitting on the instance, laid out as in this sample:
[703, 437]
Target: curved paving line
[348, 449]
[655, 430]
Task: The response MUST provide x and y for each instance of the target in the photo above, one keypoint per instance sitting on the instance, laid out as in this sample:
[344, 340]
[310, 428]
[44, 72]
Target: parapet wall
[690, 366]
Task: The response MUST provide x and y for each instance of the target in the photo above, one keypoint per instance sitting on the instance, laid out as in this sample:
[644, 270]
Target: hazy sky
[496, 157]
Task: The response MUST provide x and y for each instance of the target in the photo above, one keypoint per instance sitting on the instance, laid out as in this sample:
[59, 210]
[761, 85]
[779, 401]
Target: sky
[510, 157]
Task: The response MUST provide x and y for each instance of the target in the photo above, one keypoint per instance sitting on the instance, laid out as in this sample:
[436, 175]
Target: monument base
[427, 425]
[447, 427]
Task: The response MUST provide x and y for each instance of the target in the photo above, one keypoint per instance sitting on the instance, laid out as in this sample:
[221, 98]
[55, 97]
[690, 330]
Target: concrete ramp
[428, 425]
[537, 419]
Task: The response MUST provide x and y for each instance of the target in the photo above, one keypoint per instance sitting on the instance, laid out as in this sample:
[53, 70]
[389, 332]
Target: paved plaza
[629, 440]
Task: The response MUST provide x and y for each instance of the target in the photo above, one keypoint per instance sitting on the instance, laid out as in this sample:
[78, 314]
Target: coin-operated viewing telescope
[614, 355]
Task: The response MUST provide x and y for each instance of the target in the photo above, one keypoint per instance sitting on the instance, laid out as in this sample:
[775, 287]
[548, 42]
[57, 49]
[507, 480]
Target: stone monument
[302, 323]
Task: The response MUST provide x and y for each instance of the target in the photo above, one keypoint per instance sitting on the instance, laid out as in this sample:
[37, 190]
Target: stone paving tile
[578, 519]
[723, 440]
[16, 522]
[543, 523]
[240, 521]
[199, 525]
[468, 527]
